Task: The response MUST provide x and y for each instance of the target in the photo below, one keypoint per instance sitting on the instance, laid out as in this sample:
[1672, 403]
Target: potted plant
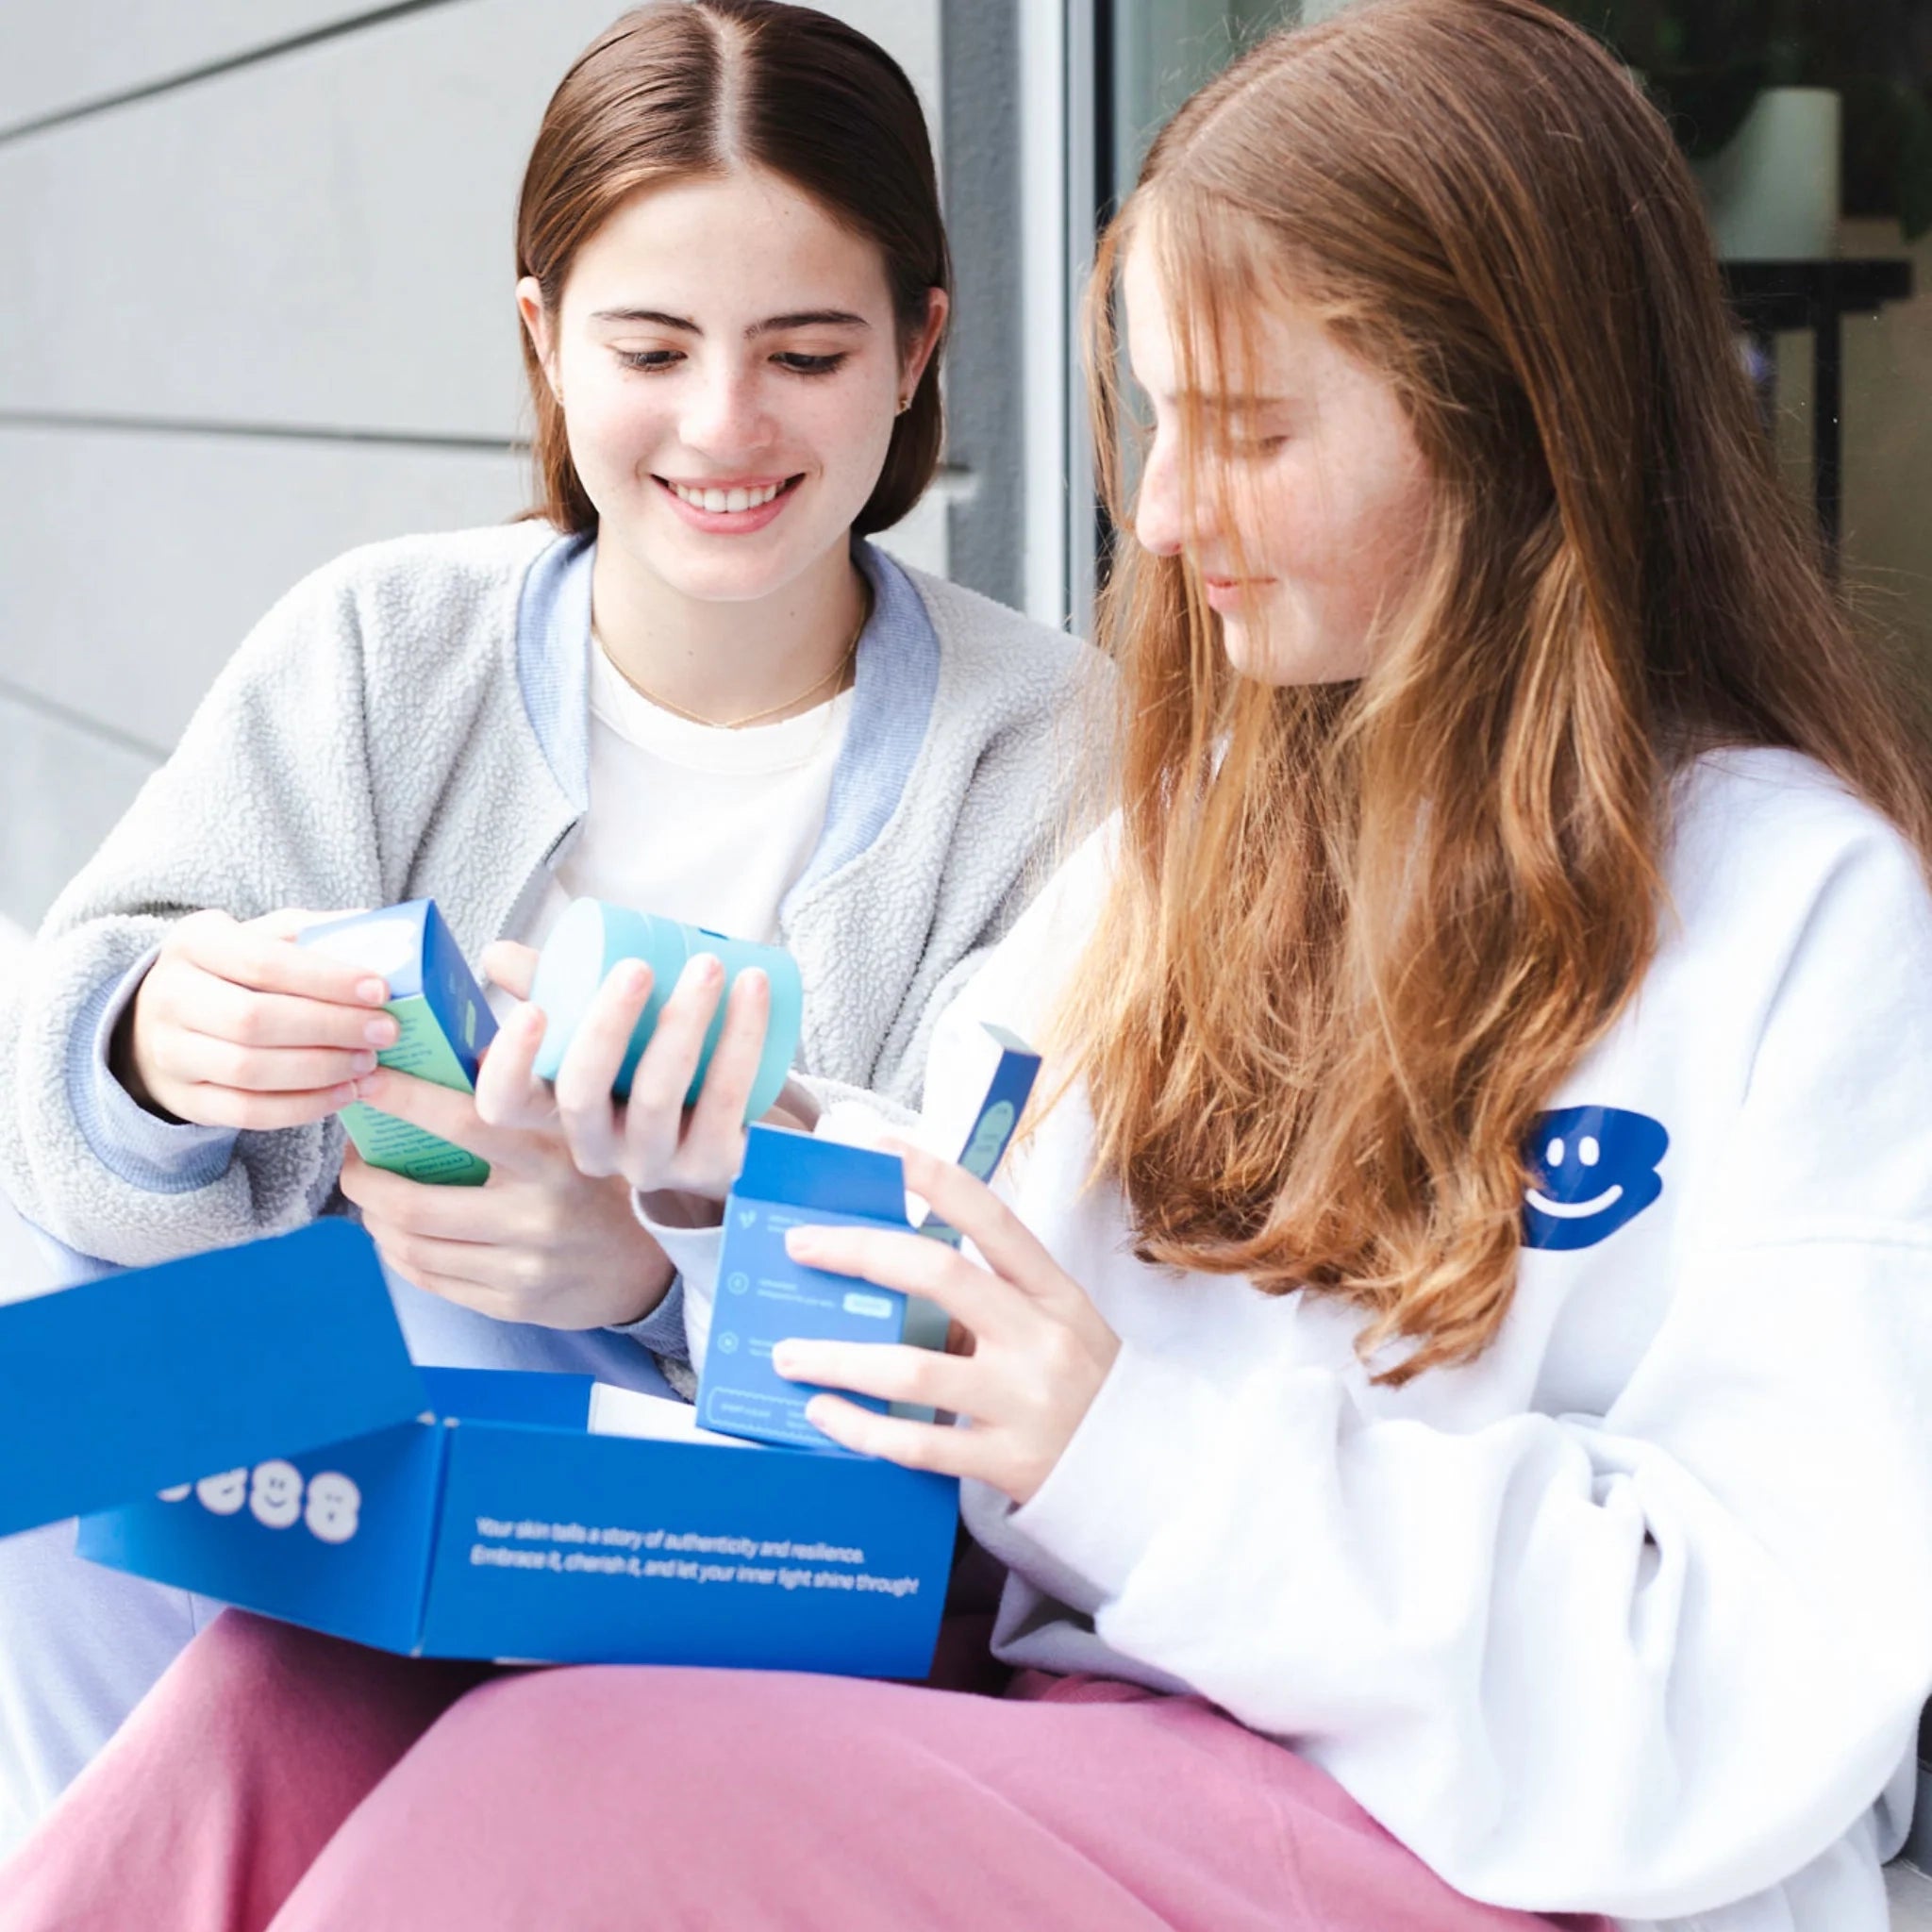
[1794, 111]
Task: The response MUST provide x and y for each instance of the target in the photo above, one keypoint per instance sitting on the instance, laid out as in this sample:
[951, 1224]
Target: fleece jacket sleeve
[266, 803]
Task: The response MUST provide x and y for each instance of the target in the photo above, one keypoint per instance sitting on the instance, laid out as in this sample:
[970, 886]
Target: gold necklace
[838, 671]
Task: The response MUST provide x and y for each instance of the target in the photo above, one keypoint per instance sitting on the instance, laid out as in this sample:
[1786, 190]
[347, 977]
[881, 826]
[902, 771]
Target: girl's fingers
[415, 1258]
[715, 1135]
[484, 1268]
[913, 1445]
[966, 1203]
[509, 1094]
[589, 1068]
[197, 1057]
[890, 1371]
[202, 1004]
[445, 1112]
[414, 1209]
[654, 1123]
[252, 956]
[229, 1107]
[511, 966]
[972, 1295]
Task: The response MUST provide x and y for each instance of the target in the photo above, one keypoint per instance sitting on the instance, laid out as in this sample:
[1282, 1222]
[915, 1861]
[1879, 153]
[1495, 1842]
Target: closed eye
[651, 361]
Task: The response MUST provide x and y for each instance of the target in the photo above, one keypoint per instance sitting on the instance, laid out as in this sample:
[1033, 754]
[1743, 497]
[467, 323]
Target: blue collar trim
[895, 682]
[553, 662]
[896, 679]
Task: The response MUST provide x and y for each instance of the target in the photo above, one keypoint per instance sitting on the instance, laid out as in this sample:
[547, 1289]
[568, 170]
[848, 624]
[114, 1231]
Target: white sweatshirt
[1633, 1613]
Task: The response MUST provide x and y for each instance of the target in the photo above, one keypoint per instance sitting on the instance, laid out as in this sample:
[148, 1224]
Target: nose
[1163, 525]
[725, 414]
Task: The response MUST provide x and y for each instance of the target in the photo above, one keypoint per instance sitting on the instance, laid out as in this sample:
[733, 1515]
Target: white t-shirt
[694, 822]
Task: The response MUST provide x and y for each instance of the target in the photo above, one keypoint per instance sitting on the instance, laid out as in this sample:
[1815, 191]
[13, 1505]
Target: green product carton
[445, 1021]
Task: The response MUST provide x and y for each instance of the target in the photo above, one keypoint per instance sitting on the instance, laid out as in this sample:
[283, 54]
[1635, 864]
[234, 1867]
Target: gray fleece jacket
[412, 720]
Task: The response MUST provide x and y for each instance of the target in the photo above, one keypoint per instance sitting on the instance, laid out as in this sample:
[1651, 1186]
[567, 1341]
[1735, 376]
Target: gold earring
[905, 404]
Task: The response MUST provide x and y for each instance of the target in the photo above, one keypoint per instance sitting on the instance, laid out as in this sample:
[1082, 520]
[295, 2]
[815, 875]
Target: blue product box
[291, 1461]
[791, 1180]
[443, 1023]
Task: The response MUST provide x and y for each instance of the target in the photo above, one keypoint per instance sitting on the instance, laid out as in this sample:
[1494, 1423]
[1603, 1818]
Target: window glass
[1810, 124]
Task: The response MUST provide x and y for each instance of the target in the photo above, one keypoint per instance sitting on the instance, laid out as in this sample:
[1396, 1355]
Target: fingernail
[816, 1410]
[381, 1032]
[800, 1244]
[635, 979]
[707, 970]
[754, 980]
[364, 1062]
[367, 1086]
[373, 991]
[783, 1358]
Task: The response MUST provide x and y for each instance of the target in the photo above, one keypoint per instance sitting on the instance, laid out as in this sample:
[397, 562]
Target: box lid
[826, 1176]
[115, 1389]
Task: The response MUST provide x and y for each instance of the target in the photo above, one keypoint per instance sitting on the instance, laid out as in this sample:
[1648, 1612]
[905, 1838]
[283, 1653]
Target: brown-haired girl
[687, 683]
[1453, 1351]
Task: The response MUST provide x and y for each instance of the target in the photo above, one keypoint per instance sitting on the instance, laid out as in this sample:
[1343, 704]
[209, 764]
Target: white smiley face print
[224, 1495]
[334, 1507]
[274, 1498]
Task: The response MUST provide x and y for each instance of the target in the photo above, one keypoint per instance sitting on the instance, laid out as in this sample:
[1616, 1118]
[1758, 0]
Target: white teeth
[729, 501]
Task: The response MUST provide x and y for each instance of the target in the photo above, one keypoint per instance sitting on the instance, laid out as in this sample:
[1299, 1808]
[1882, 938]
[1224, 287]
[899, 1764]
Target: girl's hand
[1039, 1350]
[234, 1026]
[539, 1242]
[682, 1159]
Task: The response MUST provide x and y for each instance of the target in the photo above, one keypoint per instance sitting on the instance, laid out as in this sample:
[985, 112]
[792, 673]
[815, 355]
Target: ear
[938, 306]
[536, 320]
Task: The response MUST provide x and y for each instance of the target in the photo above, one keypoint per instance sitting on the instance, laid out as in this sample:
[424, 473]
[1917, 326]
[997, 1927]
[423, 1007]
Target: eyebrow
[773, 325]
[1244, 403]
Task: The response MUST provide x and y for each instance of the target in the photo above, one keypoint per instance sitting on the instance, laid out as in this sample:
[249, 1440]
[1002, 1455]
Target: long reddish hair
[688, 88]
[1359, 933]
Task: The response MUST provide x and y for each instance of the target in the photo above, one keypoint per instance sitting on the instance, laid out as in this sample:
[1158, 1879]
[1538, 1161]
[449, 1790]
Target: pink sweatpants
[278, 1779]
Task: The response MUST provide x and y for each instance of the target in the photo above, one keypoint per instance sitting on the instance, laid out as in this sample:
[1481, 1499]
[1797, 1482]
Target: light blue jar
[592, 937]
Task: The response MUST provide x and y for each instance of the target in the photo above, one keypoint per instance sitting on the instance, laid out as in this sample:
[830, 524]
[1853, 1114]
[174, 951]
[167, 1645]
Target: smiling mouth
[1574, 1210]
[733, 501]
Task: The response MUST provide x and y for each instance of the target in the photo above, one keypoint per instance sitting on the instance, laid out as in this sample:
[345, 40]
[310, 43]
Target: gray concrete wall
[258, 310]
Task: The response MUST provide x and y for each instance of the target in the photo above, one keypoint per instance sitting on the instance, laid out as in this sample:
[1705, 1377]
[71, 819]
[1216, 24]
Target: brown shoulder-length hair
[688, 87]
[1359, 933]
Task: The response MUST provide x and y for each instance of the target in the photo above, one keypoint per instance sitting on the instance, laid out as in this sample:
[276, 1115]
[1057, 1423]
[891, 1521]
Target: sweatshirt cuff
[694, 1252]
[1130, 1468]
[158, 1156]
[662, 1330]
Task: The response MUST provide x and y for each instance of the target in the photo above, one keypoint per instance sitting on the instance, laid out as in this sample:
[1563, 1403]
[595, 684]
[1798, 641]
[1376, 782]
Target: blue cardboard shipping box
[119, 1386]
[791, 1180]
[290, 1460]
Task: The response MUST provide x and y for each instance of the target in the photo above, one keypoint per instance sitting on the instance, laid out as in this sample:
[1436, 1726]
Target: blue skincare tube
[592, 937]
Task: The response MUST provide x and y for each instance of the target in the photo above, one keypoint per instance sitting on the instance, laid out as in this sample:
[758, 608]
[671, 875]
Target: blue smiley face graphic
[1592, 1171]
